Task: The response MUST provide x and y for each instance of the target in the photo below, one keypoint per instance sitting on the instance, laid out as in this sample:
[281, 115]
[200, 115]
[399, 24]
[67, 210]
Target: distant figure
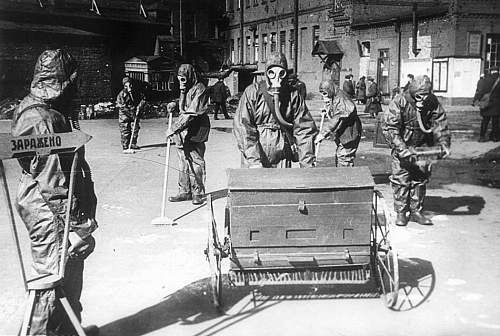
[297, 84]
[411, 78]
[219, 96]
[489, 84]
[373, 98]
[348, 87]
[130, 103]
[361, 90]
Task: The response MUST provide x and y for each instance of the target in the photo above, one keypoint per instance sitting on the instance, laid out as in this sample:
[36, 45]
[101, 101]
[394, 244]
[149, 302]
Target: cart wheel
[388, 274]
[214, 257]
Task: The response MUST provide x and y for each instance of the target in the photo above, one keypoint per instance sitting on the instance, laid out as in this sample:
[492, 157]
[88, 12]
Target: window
[273, 42]
[440, 75]
[230, 5]
[365, 48]
[474, 43]
[264, 47]
[283, 42]
[239, 51]
[232, 51]
[315, 34]
[492, 50]
[190, 28]
[249, 50]
[247, 3]
[256, 48]
[291, 45]
[238, 4]
[255, 3]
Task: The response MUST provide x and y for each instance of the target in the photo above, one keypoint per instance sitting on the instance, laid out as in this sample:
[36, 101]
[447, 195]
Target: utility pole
[296, 37]
[242, 31]
[181, 33]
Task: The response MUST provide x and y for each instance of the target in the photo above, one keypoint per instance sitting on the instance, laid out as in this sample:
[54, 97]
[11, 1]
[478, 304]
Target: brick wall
[19, 52]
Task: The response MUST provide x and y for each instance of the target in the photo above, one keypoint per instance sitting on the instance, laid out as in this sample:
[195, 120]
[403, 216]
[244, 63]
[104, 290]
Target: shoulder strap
[494, 85]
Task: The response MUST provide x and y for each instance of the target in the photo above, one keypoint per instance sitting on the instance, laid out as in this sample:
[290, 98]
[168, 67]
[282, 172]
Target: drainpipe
[296, 37]
[242, 32]
[398, 30]
[415, 50]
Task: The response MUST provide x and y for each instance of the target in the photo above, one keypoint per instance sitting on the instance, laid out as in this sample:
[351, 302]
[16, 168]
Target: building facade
[258, 27]
[451, 41]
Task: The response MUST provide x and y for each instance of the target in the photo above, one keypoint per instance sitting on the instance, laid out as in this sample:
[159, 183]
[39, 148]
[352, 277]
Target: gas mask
[275, 76]
[325, 97]
[128, 87]
[182, 82]
[420, 99]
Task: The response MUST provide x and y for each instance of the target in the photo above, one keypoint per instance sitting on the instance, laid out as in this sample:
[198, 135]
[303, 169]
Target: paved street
[149, 280]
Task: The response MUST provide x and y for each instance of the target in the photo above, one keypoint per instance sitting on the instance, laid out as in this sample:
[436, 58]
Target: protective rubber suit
[42, 196]
[343, 123]
[403, 132]
[130, 103]
[191, 129]
[263, 139]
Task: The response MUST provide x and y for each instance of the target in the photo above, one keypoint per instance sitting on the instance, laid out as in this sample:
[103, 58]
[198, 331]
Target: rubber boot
[417, 195]
[401, 219]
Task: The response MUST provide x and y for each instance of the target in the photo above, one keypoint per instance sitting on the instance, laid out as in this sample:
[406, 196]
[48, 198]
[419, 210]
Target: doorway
[383, 66]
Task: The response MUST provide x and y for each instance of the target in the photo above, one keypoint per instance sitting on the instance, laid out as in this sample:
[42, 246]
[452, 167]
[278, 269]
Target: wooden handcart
[303, 226]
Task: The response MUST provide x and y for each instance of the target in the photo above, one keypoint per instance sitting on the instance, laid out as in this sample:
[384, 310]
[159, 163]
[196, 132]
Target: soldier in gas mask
[415, 118]
[272, 124]
[42, 196]
[191, 129]
[343, 124]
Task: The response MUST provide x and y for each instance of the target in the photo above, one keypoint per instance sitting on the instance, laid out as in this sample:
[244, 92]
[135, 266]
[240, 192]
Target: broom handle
[320, 129]
[165, 176]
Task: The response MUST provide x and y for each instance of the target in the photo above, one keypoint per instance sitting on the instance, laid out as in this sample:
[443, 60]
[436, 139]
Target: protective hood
[420, 85]
[187, 70]
[277, 59]
[329, 87]
[54, 71]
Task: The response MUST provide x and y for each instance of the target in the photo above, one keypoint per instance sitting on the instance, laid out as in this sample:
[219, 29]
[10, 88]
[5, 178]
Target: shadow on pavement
[416, 283]
[189, 305]
[456, 206]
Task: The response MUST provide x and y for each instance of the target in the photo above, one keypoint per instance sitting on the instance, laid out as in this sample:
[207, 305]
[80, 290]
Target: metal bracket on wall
[142, 11]
[94, 8]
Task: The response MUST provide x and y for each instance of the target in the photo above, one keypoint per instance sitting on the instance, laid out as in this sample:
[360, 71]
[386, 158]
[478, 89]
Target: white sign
[424, 43]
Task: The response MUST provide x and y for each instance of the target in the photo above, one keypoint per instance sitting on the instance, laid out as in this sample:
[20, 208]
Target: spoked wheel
[214, 257]
[388, 275]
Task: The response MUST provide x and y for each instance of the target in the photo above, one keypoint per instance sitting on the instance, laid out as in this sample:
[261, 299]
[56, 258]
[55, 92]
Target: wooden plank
[268, 197]
[299, 178]
[323, 224]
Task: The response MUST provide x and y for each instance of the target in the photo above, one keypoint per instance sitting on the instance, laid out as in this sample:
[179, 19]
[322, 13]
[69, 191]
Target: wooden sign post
[44, 144]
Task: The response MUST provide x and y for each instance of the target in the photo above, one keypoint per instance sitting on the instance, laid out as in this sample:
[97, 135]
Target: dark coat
[373, 100]
[348, 88]
[484, 86]
[361, 90]
[218, 92]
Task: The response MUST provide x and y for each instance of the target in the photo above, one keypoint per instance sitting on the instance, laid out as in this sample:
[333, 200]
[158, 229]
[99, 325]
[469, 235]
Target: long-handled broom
[163, 220]
[129, 150]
